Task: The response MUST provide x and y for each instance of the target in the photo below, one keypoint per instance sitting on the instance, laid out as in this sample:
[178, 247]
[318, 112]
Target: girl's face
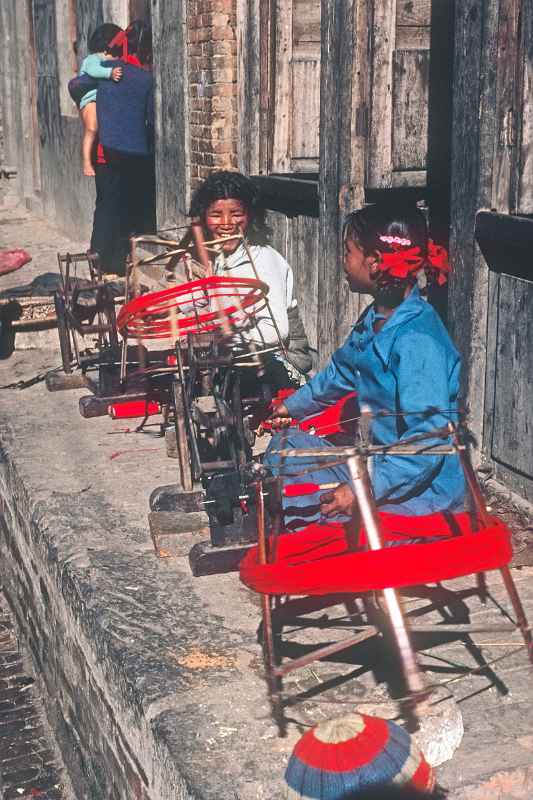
[358, 268]
[227, 218]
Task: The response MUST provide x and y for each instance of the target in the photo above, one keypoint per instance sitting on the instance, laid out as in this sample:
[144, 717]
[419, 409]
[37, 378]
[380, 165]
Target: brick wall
[212, 50]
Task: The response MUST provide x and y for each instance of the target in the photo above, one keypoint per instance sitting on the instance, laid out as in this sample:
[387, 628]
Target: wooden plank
[471, 184]
[267, 57]
[513, 409]
[413, 38]
[440, 121]
[337, 308]
[410, 109]
[248, 86]
[305, 111]
[304, 262]
[493, 295]
[352, 196]
[282, 109]
[409, 178]
[506, 106]
[305, 22]
[414, 12]
[384, 29]
[524, 202]
[173, 173]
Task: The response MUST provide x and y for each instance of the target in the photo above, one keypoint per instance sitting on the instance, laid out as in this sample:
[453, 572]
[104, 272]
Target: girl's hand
[339, 501]
[116, 74]
[280, 417]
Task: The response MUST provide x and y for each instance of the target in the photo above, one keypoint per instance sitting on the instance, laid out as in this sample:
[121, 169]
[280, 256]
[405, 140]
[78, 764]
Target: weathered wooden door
[374, 127]
[399, 93]
[296, 107]
[508, 430]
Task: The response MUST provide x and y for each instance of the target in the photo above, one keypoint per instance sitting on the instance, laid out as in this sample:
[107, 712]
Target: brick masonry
[29, 763]
[212, 48]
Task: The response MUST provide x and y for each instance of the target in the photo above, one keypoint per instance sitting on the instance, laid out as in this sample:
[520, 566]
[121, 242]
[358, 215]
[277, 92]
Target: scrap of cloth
[410, 370]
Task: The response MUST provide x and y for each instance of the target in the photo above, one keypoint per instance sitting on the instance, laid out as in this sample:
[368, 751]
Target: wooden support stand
[174, 534]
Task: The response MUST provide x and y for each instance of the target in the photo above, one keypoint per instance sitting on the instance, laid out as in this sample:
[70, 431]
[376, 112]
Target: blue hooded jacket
[410, 368]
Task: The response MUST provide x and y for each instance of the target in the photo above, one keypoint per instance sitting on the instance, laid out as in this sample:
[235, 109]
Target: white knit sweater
[273, 270]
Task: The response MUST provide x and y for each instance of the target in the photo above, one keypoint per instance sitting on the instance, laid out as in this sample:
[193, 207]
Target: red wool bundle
[405, 263]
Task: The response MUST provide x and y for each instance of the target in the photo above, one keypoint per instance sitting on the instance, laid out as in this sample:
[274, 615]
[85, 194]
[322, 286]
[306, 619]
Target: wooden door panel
[398, 136]
[410, 109]
[305, 121]
[512, 439]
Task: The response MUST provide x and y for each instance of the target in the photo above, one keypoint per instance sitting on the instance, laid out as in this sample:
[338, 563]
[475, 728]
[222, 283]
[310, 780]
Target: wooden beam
[383, 44]
[471, 188]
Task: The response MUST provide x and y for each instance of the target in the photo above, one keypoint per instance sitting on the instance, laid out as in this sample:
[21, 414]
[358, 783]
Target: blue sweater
[125, 111]
[408, 367]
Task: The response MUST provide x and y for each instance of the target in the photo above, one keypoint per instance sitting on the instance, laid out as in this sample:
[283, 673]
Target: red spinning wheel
[205, 305]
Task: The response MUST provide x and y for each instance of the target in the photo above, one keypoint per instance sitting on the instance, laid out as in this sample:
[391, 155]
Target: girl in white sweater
[227, 203]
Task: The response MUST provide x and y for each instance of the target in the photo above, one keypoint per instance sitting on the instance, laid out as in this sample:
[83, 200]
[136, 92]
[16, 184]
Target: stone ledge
[133, 650]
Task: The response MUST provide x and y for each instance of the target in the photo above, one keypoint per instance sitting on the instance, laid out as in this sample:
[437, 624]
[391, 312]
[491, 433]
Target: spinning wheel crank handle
[298, 489]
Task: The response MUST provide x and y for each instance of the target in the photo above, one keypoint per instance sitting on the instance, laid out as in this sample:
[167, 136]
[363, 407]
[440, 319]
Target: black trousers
[125, 205]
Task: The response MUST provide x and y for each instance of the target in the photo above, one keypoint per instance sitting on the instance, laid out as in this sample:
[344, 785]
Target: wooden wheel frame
[64, 332]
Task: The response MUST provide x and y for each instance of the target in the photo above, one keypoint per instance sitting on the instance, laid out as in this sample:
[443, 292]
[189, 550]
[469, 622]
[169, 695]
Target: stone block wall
[106, 742]
[212, 49]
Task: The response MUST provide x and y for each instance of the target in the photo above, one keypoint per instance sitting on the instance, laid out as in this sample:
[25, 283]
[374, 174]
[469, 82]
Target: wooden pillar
[172, 148]
[343, 132]
[474, 131]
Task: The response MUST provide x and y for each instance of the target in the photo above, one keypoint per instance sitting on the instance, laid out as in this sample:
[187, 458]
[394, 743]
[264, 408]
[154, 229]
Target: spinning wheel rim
[142, 316]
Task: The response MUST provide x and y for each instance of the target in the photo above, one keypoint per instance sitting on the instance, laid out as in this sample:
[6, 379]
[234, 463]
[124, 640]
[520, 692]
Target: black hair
[100, 38]
[139, 35]
[368, 225]
[226, 185]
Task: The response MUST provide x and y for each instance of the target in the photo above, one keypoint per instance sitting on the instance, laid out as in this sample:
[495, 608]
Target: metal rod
[324, 652]
[370, 519]
[276, 328]
[348, 452]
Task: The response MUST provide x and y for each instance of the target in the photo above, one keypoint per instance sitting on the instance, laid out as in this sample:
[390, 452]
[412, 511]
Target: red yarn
[438, 262]
[401, 263]
[315, 560]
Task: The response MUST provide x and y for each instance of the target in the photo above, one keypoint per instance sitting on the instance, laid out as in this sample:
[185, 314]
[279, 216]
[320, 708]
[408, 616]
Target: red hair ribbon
[438, 262]
[401, 263]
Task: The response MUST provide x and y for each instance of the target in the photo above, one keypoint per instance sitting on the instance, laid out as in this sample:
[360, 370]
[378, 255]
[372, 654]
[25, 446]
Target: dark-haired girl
[399, 359]
[227, 204]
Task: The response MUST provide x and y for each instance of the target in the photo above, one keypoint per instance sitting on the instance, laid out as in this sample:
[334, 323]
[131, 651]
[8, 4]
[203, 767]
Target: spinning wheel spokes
[205, 305]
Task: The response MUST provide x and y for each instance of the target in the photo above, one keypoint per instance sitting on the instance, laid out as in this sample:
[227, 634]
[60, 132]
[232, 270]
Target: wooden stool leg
[482, 587]
[518, 609]
[270, 661]
[269, 655]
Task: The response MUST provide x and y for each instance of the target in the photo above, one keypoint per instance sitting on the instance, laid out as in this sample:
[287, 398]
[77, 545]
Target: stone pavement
[155, 677]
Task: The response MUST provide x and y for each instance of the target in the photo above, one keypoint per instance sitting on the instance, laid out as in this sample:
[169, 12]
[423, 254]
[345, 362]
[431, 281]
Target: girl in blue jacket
[399, 358]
